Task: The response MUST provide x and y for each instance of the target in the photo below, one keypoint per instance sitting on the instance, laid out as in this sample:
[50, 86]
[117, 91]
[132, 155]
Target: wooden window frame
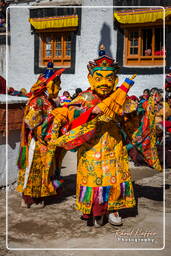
[63, 60]
[55, 12]
[141, 60]
[39, 67]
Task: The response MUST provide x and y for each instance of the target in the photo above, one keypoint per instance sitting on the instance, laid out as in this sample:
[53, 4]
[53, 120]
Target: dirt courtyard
[58, 230]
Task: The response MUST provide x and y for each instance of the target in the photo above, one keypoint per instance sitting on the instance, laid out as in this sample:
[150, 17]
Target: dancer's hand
[96, 110]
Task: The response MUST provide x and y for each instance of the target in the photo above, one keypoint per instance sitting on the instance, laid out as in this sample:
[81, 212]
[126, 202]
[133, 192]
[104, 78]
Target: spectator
[148, 52]
[134, 98]
[102, 50]
[145, 95]
[168, 85]
[142, 99]
[23, 92]
[77, 91]
[13, 92]
[65, 98]
[153, 91]
[168, 109]
[10, 90]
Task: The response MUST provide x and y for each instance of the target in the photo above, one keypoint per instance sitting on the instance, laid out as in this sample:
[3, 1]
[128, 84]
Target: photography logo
[138, 235]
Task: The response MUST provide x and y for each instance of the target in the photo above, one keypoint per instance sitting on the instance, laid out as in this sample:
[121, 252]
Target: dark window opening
[144, 46]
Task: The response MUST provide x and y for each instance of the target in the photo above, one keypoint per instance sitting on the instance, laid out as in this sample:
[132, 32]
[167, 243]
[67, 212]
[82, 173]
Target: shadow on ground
[149, 192]
[67, 190]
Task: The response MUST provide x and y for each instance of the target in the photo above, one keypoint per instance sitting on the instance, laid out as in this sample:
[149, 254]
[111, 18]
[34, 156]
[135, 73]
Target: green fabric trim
[77, 113]
[23, 157]
[21, 163]
[123, 133]
[44, 128]
[127, 188]
[39, 102]
[74, 149]
[129, 146]
[103, 69]
[87, 195]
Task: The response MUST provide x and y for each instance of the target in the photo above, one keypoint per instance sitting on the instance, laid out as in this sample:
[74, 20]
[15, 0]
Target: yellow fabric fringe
[54, 22]
[141, 15]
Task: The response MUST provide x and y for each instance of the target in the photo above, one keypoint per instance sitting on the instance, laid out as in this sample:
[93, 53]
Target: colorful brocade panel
[102, 174]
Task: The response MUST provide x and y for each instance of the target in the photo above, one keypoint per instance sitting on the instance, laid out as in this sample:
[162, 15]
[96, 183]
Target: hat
[104, 62]
[44, 79]
[49, 70]
[133, 97]
[50, 74]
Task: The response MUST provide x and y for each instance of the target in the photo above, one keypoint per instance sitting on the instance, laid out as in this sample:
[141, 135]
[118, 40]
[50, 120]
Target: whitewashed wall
[20, 66]
[96, 27]
[143, 82]
[9, 166]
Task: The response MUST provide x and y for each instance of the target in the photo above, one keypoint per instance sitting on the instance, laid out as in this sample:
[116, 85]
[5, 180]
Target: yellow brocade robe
[102, 174]
[34, 178]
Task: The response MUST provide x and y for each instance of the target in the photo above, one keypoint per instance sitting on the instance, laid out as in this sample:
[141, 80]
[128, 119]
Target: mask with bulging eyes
[103, 82]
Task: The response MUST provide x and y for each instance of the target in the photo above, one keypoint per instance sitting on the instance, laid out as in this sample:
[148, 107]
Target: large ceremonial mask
[49, 81]
[102, 75]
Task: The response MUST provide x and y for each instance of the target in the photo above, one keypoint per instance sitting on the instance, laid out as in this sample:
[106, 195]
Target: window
[57, 40]
[56, 46]
[144, 46]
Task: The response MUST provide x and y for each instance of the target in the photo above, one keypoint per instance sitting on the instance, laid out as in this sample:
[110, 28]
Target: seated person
[147, 52]
[77, 91]
[65, 98]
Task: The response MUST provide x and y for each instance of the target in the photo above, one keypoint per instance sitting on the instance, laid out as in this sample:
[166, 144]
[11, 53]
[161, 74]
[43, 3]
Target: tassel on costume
[101, 194]
[98, 194]
[21, 162]
[57, 183]
[125, 189]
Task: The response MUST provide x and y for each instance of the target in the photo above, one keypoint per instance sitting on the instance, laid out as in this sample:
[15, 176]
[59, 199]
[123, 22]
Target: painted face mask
[103, 82]
[102, 75]
[48, 82]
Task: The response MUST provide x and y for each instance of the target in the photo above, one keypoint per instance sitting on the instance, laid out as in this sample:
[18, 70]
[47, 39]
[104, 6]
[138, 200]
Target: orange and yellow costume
[35, 180]
[103, 176]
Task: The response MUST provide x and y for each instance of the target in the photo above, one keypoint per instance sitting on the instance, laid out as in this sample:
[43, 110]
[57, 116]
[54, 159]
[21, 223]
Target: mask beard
[102, 94]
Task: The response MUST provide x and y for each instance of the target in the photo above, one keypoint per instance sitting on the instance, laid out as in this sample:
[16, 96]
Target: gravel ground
[58, 225]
